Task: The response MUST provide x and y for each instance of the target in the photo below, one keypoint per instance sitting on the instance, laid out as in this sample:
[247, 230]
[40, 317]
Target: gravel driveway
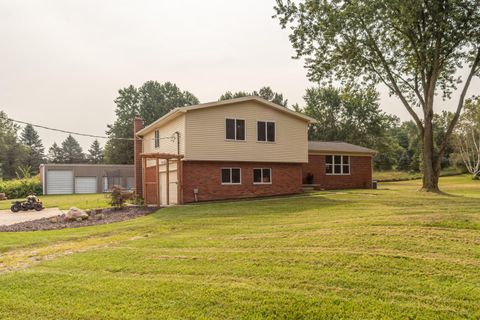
[7, 217]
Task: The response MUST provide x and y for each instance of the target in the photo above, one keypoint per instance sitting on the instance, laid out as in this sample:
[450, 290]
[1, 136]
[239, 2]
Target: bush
[117, 198]
[20, 188]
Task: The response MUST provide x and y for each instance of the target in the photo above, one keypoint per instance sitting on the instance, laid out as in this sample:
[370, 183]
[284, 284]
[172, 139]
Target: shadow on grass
[249, 207]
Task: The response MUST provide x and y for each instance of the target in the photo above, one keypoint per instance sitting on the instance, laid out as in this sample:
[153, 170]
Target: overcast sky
[62, 62]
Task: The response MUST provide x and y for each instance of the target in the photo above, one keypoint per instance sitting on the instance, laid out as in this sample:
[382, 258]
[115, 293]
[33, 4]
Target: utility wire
[84, 134]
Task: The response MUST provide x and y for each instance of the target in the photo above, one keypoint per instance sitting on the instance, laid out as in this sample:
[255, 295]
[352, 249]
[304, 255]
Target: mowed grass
[391, 253]
[82, 201]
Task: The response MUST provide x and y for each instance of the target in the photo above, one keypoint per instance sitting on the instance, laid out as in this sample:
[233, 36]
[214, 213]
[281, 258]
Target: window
[157, 139]
[262, 176]
[231, 176]
[266, 131]
[235, 129]
[337, 165]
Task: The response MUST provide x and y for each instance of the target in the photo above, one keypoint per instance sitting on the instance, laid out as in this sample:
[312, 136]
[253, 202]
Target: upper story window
[231, 176]
[157, 139]
[235, 129]
[337, 165]
[266, 131]
[262, 176]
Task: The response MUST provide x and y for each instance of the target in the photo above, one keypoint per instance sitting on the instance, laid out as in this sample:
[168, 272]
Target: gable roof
[181, 110]
[333, 146]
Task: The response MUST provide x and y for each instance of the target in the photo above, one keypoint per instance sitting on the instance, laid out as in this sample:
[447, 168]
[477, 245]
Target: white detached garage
[84, 178]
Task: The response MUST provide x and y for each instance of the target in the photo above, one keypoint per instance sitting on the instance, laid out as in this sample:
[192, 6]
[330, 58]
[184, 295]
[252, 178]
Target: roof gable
[181, 110]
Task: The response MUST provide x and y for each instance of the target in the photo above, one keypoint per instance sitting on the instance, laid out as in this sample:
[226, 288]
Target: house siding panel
[166, 131]
[206, 135]
[360, 173]
[206, 177]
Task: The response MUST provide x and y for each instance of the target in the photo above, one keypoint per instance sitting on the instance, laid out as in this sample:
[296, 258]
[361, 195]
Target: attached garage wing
[85, 184]
[59, 181]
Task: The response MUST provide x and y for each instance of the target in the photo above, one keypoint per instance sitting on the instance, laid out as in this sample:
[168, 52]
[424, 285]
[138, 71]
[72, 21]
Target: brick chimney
[137, 160]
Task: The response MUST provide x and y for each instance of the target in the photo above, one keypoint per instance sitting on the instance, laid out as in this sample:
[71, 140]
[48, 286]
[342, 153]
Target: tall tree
[95, 153]
[265, 92]
[55, 154]
[72, 151]
[353, 115]
[34, 148]
[11, 152]
[151, 101]
[415, 48]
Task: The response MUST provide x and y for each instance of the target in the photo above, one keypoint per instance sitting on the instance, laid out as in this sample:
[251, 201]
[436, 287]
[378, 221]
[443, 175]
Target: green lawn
[390, 253]
[83, 201]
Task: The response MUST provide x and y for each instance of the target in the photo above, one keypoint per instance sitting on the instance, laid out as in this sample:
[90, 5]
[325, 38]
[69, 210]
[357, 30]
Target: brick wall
[206, 176]
[360, 173]
[137, 161]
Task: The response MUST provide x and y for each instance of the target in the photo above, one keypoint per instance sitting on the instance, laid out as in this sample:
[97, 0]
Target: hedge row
[20, 188]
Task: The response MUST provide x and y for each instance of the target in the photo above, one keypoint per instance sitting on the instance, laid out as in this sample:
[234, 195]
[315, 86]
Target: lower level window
[231, 176]
[262, 176]
[337, 165]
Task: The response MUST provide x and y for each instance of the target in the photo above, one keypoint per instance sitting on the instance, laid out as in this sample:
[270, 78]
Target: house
[84, 178]
[239, 148]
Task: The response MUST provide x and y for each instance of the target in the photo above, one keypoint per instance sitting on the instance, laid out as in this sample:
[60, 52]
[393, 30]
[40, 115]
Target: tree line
[350, 114]
[22, 150]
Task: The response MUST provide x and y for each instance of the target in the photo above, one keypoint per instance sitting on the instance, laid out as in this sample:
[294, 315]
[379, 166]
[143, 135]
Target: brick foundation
[360, 173]
[206, 177]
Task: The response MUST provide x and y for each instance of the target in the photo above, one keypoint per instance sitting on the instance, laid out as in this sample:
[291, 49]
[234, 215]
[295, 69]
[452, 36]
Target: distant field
[391, 253]
[393, 175]
[83, 201]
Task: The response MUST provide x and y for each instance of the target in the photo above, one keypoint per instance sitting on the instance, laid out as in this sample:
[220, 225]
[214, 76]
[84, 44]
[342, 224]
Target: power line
[83, 134]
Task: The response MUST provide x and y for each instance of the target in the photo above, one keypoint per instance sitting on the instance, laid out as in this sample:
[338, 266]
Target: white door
[85, 184]
[59, 181]
[172, 190]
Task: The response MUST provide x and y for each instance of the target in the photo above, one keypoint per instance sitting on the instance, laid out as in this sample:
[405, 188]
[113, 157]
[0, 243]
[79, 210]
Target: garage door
[59, 182]
[85, 184]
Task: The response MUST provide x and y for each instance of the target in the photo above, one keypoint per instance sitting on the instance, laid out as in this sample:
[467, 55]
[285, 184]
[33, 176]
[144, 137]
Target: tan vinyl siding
[205, 139]
[166, 145]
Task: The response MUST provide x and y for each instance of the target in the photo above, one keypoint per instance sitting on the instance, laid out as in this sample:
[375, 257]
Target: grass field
[83, 201]
[390, 253]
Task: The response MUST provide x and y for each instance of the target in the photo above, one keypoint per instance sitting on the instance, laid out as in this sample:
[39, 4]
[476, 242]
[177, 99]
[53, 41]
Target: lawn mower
[31, 203]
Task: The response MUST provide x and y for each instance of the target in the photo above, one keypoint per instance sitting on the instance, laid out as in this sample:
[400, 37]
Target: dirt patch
[108, 215]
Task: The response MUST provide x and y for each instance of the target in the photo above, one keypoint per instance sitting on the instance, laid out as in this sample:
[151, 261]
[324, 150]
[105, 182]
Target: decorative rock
[98, 211]
[53, 220]
[74, 214]
[3, 196]
[100, 216]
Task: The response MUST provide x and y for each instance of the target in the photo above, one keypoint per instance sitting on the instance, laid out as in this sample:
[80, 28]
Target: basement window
[231, 176]
[262, 176]
[266, 131]
[235, 129]
[337, 165]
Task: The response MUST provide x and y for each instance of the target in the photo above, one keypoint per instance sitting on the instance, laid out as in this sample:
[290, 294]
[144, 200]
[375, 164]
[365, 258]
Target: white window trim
[235, 133]
[230, 183]
[261, 171]
[266, 131]
[341, 165]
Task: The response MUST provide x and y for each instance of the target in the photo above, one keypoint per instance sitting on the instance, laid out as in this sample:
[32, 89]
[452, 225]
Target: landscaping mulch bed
[108, 215]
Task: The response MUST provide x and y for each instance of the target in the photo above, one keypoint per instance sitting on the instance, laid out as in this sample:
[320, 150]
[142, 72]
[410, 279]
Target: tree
[415, 48]
[95, 153]
[55, 154]
[11, 152]
[34, 148]
[467, 137]
[353, 115]
[265, 92]
[151, 101]
[72, 151]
